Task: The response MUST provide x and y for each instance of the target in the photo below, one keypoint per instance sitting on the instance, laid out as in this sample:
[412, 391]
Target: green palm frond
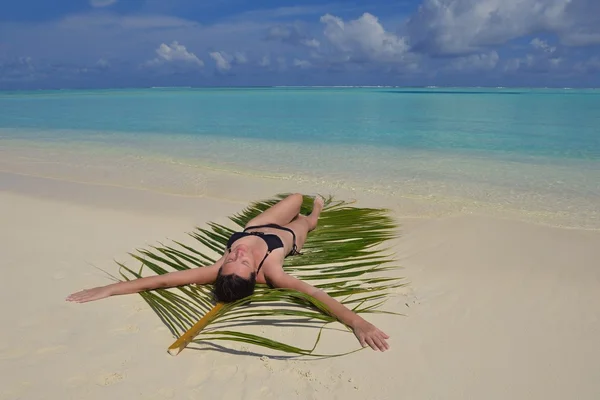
[345, 256]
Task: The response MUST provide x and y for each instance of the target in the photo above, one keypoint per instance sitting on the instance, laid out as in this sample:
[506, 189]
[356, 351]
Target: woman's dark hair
[229, 288]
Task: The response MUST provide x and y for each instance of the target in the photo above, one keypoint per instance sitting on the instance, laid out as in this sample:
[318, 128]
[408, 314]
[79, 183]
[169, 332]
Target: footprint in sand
[306, 375]
[109, 378]
[267, 363]
[140, 307]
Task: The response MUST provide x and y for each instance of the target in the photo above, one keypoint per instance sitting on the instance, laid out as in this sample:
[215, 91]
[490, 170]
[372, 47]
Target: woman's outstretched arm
[200, 275]
[366, 333]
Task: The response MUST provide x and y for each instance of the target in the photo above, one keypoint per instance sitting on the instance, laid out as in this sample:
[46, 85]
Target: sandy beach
[494, 308]
[141, 137]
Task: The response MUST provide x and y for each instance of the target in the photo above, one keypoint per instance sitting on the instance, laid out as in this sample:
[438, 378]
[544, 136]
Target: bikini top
[273, 241]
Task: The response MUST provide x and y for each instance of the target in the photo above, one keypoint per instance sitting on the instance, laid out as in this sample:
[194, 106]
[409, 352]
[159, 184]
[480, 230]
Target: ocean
[533, 152]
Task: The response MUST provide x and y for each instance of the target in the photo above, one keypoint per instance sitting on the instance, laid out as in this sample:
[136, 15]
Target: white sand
[495, 309]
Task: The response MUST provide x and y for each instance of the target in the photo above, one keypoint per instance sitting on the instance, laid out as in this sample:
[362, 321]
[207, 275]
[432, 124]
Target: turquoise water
[562, 124]
[512, 145]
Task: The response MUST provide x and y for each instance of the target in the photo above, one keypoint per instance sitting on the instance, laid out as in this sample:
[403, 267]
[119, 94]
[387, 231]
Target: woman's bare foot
[318, 205]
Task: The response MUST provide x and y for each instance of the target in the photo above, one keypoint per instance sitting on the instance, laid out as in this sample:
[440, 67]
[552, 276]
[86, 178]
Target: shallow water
[523, 150]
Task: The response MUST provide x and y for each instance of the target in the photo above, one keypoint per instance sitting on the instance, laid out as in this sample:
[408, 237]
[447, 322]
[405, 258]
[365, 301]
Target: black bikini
[273, 241]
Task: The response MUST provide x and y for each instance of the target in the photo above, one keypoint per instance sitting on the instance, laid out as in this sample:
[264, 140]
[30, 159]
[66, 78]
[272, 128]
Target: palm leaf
[345, 255]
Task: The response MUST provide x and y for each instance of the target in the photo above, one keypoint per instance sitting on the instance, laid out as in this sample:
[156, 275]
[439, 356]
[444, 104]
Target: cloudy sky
[133, 43]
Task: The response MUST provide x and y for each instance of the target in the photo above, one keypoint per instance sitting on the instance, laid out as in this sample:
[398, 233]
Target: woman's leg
[281, 213]
[304, 224]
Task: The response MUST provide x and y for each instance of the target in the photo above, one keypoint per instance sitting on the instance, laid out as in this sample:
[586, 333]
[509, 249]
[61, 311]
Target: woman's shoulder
[270, 270]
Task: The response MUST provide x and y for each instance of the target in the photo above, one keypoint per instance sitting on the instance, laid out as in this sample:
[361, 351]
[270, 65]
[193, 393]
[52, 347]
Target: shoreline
[141, 169]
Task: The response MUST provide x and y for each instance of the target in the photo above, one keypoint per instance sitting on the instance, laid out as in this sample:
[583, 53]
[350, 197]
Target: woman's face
[239, 261]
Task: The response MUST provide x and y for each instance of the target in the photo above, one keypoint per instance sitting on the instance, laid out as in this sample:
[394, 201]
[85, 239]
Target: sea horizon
[560, 87]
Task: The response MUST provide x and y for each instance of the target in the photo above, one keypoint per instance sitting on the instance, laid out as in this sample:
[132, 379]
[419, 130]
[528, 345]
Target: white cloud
[281, 12]
[466, 26]
[176, 52]
[220, 61]
[543, 58]
[21, 69]
[581, 27]
[26, 61]
[363, 39]
[225, 61]
[110, 21]
[295, 35]
[102, 63]
[102, 3]
[555, 62]
[265, 61]
[518, 63]
[301, 63]
[542, 45]
[281, 32]
[313, 43]
[239, 58]
[538, 63]
[476, 62]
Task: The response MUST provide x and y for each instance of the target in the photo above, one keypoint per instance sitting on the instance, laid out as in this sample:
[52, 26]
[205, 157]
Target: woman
[255, 255]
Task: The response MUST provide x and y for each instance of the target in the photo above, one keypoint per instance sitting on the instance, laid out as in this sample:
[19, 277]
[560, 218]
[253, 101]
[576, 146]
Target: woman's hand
[369, 335]
[86, 295]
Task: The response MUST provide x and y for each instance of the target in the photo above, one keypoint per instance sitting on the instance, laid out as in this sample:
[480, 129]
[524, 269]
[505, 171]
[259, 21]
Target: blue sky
[139, 43]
